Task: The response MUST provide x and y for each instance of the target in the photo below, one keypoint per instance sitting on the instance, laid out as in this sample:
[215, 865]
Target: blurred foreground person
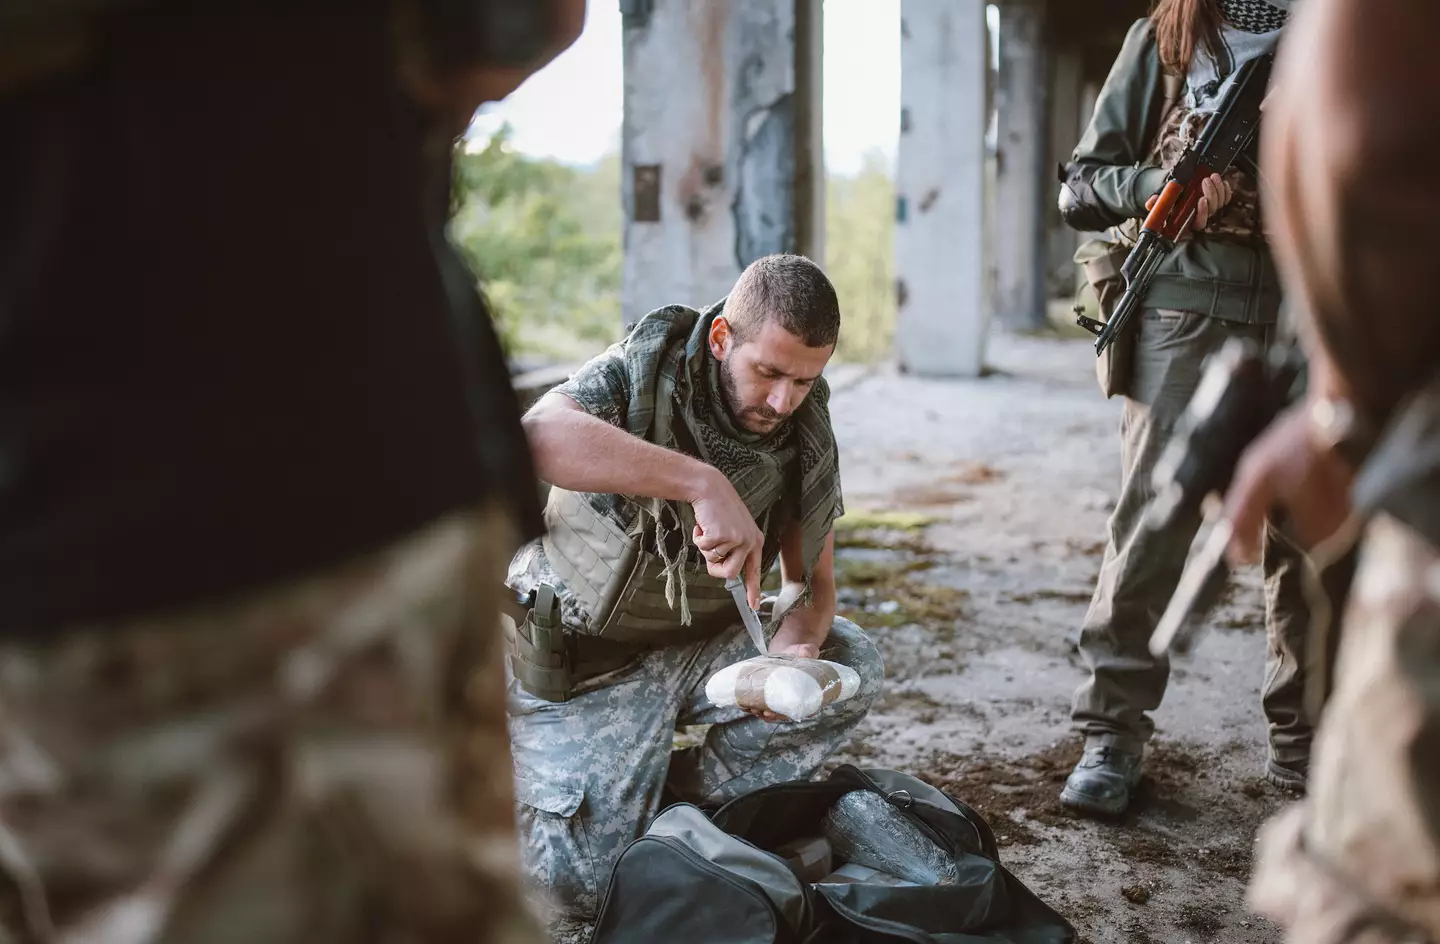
[1348, 151]
[260, 464]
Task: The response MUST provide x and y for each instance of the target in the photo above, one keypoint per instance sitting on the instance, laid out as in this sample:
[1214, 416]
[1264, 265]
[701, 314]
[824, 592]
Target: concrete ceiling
[1097, 28]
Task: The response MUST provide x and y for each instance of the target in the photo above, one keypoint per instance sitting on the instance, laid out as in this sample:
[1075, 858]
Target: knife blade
[736, 586]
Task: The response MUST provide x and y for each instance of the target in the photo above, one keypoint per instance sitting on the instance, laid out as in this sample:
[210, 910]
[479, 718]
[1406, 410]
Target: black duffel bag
[697, 878]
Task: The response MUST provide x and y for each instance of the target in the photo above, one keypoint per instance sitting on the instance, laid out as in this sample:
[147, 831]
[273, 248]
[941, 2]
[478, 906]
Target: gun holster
[548, 661]
[538, 650]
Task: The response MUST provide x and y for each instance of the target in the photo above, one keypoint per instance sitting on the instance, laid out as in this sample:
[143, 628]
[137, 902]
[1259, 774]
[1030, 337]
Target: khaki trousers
[1141, 567]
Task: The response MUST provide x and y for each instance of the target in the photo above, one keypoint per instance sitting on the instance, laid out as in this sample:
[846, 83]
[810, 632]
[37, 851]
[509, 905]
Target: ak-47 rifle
[1225, 142]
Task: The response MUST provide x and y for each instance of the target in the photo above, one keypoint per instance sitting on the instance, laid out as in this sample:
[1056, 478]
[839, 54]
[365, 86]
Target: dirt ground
[975, 526]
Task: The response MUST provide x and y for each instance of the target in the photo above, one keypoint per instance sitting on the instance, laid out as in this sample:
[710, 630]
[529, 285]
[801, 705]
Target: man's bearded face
[766, 377]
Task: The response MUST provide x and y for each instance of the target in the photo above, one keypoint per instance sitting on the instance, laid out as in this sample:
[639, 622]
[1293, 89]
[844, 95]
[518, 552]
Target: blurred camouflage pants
[323, 762]
[1359, 860]
[590, 771]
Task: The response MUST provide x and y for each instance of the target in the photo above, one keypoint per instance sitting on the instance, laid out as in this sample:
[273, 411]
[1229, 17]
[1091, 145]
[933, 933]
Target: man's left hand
[801, 632]
[800, 635]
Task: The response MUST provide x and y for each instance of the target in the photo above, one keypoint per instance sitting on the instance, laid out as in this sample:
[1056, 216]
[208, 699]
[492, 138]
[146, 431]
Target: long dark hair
[1182, 27]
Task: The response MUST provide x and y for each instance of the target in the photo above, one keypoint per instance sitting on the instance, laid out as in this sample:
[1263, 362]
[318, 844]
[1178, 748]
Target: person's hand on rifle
[1216, 193]
[1289, 467]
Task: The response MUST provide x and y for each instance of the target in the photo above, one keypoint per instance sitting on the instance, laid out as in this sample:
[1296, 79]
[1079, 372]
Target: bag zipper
[807, 786]
[878, 924]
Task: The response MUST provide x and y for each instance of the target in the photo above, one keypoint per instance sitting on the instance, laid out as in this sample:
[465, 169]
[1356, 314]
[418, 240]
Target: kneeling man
[699, 448]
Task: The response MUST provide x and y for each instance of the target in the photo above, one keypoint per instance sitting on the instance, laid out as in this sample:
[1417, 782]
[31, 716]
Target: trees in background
[860, 257]
[546, 238]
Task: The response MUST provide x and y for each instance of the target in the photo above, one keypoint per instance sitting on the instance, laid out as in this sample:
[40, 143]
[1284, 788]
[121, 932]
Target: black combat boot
[1290, 776]
[1102, 781]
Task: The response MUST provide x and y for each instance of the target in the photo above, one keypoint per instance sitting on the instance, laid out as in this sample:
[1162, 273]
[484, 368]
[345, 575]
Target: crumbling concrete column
[940, 188]
[1022, 183]
[721, 143]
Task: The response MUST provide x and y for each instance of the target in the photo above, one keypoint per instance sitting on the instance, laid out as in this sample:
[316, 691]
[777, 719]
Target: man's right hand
[1216, 194]
[1285, 467]
[727, 535]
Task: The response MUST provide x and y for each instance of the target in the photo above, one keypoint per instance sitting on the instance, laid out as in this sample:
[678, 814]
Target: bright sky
[571, 109]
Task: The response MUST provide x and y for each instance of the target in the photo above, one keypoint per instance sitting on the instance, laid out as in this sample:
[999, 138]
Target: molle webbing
[620, 585]
[591, 554]
[642, 611]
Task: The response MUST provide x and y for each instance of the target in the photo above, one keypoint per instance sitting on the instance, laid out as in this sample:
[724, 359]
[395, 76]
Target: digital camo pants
[324, 762]
[590, 771]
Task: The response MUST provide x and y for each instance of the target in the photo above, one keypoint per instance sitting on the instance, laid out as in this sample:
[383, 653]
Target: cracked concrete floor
[977, 611]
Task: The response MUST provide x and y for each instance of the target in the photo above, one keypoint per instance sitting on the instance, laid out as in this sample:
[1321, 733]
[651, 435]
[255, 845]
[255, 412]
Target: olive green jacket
[1223, 277]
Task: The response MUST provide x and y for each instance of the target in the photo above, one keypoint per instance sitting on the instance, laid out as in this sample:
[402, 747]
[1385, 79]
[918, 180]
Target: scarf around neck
[1249, 28]
[677, 401]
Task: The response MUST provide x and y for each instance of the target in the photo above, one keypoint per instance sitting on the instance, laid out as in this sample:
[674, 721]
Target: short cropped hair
[790, 290]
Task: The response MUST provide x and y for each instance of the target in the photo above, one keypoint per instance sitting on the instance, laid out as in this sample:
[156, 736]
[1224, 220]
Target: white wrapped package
[791, 687]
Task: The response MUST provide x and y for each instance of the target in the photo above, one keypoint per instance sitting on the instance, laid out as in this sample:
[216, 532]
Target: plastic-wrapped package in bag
[864, 829]
[809, 857]
[793, 688]
[852, 873]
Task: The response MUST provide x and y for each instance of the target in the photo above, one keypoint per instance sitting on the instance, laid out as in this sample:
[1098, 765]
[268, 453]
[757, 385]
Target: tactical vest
[620, 584]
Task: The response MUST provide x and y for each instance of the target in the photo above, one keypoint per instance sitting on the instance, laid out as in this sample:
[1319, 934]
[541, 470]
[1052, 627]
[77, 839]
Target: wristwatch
[1336, 426]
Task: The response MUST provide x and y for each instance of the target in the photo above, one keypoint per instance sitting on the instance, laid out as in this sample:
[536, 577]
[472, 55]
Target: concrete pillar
[940, 188]
[1067, 123]
[721, 143]
[1022, 184]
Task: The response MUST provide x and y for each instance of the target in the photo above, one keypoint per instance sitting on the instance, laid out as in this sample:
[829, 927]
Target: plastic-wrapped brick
[865, 829]
[790, 687]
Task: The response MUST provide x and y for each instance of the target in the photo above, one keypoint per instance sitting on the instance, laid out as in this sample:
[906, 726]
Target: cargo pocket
[555, 846]
[1101, 261]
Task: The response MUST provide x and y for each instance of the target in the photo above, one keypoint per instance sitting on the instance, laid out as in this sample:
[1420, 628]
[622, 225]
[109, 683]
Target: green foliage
[546, 241]
[860, 258]
[863, 519]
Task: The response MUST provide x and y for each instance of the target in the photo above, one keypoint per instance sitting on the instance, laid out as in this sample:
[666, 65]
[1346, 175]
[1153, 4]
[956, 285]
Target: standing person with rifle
[1349, 153]
[1210, 280]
